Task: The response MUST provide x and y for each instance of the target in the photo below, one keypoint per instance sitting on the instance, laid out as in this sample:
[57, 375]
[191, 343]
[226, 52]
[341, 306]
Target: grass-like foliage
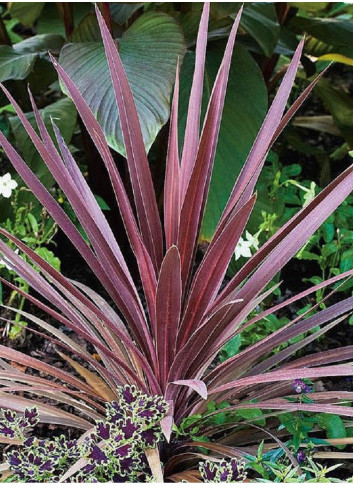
[168, 346]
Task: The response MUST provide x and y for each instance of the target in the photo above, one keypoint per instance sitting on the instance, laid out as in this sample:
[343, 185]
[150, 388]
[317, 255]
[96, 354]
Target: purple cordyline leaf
[105, 243]
[202, 347]
[133, 314]
[67, 344]
[140, 175]
[47, 414]
[228, 292]
[82, 403]
[90, 201]
[172, 174]
[86, 307]
[290, 350]
[305, 293]
[54, 209]
[334, 395]
[196, 194]
[97, 301]
[36, 382]
[280, 404]
[168, 306]
[286, 374]
[329, 356]
[31, 362]
[266, 133]
[96, 342]
[218, 448]
[279, 250]
[297, 104]
[34, 279]
[64, 285]
[232, 325]
[62, 337]
[197, 344]
[211, 272]
[192, 128]
[197, 385]
[81, 206]
[144, 262]
[44, 288]
[236, 365]
[284, 121]
[168, 421]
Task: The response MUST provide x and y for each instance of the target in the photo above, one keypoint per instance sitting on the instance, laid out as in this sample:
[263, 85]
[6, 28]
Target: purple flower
[301, 457]
[301, 387]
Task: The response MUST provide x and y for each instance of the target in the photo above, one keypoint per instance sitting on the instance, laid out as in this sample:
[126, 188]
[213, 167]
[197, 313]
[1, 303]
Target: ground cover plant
[166, 342]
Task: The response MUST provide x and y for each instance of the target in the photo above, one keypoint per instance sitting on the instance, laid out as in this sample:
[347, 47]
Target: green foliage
[18, 61]
[151, 76]
[30, 222]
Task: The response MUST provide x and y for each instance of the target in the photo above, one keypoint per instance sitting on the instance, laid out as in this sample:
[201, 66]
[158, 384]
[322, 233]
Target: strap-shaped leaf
[77, 324]
[290, 374]
[192, 130]
[237, 364]
[172, 175]
[196, 194]
[140, 175]
[96, 133]
[168, 307]
[197, 385]
[123, 291]
[267, 131]
[212, 270]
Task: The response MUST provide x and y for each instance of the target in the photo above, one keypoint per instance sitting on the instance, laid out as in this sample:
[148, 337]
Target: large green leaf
[121, 12]
[64, 115]
[309, 6]
[337, 34]
[340, 106]
[260, 21]
[149, 50]
[26, 12]
[244, 110]
[17, 62]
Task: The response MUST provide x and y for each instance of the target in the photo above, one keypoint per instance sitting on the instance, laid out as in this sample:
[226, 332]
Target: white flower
[242, 249]
[3, 264]
[253, 240]
[7, 185]
[243, 246]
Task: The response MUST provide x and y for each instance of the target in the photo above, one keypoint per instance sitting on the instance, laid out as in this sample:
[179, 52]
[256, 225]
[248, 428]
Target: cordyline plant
[168, 346]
